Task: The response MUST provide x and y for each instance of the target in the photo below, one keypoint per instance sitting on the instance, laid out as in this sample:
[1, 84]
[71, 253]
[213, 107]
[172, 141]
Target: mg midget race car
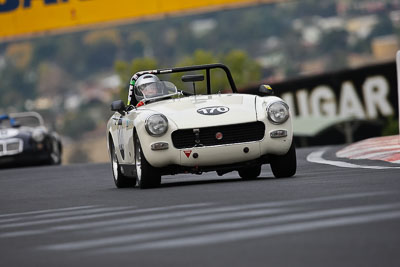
[24, 140]
[164, 131]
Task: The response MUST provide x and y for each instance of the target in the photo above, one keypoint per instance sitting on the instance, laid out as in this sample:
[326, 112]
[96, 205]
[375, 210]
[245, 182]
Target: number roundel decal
[213, 110]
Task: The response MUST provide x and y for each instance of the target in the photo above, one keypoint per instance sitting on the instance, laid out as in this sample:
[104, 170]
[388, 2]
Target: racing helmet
[147, 86]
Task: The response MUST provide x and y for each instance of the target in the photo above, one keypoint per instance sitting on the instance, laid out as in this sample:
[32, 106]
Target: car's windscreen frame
[206, 67]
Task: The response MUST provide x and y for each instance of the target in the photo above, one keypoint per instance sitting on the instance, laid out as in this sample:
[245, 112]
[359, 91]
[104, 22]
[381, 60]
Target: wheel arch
[110, 141]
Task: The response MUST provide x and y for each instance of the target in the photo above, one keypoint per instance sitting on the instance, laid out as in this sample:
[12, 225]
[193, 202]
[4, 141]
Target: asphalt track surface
[326, 215]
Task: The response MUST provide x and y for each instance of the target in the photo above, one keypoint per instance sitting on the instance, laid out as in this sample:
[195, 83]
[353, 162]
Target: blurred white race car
[164, 131]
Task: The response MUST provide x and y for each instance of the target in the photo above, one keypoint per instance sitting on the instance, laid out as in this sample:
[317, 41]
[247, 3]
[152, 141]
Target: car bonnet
[207, 110]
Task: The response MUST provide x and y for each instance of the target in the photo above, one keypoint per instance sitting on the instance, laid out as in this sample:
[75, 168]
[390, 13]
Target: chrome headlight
[156, 125]
[278, 112]
[38, 135]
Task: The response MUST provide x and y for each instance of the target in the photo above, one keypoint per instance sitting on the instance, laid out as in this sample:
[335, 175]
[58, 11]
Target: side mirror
[118, 106]
[193, 78]
[265, 89]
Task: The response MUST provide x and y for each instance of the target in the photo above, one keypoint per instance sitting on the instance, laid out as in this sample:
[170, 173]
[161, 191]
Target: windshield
[28, 121]
[11, 122]
[219, 82]
[6, 122]
[156, 90]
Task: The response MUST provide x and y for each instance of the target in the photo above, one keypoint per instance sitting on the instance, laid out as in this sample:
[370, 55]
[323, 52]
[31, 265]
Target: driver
[150, 90]
[147, 86]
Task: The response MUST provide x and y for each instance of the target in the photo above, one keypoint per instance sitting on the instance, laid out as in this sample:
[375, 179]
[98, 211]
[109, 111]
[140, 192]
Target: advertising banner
[21, 17]
[365, 93]
[340, 107]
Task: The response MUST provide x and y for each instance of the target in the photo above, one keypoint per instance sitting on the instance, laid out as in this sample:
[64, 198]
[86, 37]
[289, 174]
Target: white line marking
[194, 219]
[169, 215]
[163, 223]
[9, 220]
[247, 215]
[119, 211]
[44, 211]
[152, 217]
[350, 153]
[382, 154]
[233, 236]
[24, 233]
[257, 222]
[66, 213]
[85, 217]
[181, 215]
[316, 157]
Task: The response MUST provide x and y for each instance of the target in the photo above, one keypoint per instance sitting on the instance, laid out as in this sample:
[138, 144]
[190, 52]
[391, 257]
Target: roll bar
[206, 67]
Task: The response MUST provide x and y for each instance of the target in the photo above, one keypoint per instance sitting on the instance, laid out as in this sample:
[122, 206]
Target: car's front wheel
[146, 175]
[120, 180]
[250, 172]
[286, 165]
[55, 155]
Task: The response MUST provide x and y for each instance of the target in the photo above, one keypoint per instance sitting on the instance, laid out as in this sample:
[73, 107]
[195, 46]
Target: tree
[77, 123]
[16, 86]
[334, 40]
[383, 27]
[244, 69]
[20, 54]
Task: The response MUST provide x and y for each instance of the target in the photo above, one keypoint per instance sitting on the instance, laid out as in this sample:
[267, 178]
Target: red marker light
[219, 136]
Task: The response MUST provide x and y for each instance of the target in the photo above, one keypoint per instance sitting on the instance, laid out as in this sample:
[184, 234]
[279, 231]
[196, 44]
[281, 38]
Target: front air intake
[219, 135]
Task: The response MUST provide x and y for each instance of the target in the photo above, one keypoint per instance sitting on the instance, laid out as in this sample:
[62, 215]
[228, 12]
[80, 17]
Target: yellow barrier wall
[20, 17]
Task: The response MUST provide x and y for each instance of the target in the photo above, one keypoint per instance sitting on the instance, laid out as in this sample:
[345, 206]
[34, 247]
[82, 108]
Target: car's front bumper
[24, 159]
[219, 154]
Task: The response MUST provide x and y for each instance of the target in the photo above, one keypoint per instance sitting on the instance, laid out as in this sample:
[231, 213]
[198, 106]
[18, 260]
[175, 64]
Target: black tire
[55, 154]
[250, 172]
[286, 165]
[147, 176]
[120, 180]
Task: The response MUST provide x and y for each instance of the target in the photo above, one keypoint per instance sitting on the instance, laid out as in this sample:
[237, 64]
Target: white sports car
[164, 131]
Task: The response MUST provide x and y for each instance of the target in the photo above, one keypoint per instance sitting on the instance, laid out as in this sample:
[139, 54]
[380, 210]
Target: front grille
[232, 134]
[13, 147]
[10, 147]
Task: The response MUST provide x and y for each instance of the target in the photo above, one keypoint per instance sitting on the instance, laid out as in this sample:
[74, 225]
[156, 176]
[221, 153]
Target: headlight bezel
[273, 119]
[38, 135]
[150, 128]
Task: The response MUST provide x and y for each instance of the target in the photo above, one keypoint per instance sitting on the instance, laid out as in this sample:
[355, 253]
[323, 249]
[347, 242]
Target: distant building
[359, 60]
[385, 47]
[362, 26]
